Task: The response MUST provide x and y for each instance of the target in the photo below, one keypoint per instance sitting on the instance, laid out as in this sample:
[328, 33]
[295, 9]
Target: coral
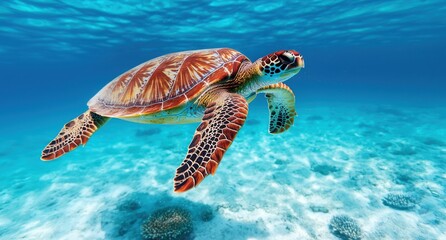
[402, 149]
[129, 205]
[207, 214]
[280, 162]
[168, 223]
[324, 169]
[399, 201]
[345, 228]
[406, 177]
[319, 209]
[390, 111]
[433, 142]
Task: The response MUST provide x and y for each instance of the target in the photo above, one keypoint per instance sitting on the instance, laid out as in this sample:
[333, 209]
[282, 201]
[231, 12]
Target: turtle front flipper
[223, 118]
[281, 107]
[75, 133]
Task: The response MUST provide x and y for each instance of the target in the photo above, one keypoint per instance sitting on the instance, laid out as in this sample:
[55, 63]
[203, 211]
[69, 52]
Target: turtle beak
[300, 62]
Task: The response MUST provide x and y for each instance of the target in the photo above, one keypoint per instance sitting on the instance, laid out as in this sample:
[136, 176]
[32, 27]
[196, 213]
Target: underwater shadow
[124, 220]
[147, 132]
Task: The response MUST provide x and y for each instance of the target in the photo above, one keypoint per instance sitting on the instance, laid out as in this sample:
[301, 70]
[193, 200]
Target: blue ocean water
[371, 102]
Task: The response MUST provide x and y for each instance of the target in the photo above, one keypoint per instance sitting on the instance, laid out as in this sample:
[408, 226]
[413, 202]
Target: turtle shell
[165, 82]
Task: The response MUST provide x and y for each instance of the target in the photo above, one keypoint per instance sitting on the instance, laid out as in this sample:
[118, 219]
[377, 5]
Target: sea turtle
[213, 86]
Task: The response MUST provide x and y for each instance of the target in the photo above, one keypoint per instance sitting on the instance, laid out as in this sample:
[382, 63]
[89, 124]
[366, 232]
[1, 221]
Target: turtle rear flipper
[73, 134]
[221, 122]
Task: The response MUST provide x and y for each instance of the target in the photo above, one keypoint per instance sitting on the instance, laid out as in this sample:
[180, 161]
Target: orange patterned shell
[165, 82]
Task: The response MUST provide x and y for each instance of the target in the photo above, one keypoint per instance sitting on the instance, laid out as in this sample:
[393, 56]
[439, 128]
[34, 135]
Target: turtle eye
[286, 58]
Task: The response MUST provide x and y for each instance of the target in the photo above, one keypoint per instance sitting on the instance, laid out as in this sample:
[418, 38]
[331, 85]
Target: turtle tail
[75, 133]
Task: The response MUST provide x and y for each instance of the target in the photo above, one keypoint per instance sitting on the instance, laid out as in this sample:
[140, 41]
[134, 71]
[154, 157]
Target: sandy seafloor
[337, 159]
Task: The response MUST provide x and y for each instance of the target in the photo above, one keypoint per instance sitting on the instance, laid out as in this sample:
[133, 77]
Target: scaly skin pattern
[226, 112]
[220, 124]
[214, 85]
[75, 133]
[273, 68]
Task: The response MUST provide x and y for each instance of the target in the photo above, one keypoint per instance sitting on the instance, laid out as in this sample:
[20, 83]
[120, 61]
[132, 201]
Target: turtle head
[280, 66]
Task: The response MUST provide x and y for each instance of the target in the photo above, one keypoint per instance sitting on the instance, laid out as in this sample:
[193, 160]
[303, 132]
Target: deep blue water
[371, 100]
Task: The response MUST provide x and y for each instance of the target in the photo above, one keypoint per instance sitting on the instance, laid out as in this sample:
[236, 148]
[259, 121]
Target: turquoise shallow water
[371, 104]
[337, 159]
